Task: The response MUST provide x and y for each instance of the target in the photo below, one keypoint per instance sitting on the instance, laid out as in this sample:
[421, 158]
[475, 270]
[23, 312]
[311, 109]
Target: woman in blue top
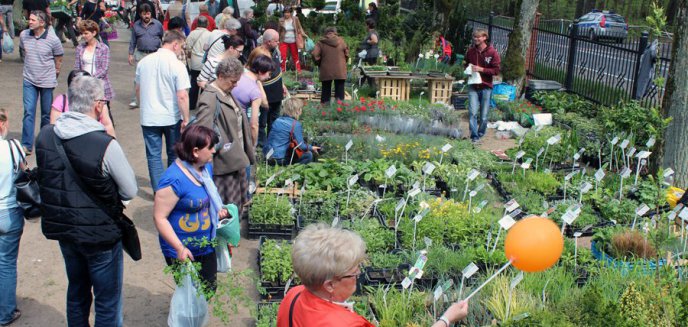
[278, 139]
[187, 205]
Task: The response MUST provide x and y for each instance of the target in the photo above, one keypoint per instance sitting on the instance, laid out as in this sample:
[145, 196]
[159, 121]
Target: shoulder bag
[294, 149]
[26, 182]
[130, 237]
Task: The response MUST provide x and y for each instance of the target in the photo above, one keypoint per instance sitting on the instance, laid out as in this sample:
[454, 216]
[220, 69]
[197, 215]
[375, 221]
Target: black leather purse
[130, 236]
[26, 182]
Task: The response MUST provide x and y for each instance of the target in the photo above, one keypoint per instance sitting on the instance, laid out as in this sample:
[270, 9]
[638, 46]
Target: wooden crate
[316, 96]
[394, 88]
[440, 90]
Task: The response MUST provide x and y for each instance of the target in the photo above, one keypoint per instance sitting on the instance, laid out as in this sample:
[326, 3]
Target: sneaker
[476, 141]
[133, 105]
[27, 151]
[15, 315]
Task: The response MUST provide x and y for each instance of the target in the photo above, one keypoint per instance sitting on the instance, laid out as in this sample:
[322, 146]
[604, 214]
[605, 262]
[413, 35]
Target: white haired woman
[327, 261]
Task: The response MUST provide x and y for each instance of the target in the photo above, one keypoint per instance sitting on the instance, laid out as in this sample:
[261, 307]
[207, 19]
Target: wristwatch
[444, 320]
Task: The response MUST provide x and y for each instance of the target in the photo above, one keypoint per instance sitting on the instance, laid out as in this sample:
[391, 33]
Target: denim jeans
[11, 228]
[152, 137]
[30, 97]
[7, 10]
[306, 158]
[267, 117]
[478, 99]
[99, 271]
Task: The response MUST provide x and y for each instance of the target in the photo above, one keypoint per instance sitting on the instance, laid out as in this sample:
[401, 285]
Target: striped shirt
[208, 70]
[39, 57]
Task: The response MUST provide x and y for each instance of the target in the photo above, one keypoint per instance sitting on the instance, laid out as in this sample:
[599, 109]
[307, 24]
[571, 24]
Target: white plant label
[599, 175]
[650, 142]
[511, 205]
[379, 138]
[624, 143]
[424, 205]
[415, 185]
[391, 171]
[520, 154]
[506, 222]
[615, 140]
[335, 221]
[252, 188]
[642, 209]
[671, 216]
[470, 270]
[480, 187]
[631, 152]
[414, 192]
[668, 172]
[406, 283]
[288, 182]
[446, 148]
[349, 145]
[568, 217]
[570, 175]
[539, 153]
[577, 234]
[526, 164]
[480, 206]
[269, 154]
[520, 141]
[625, 172]
[417, 218]
[472, 193]
[516, 280]
[576, 156]
[473, 174]
[420, 263]
[437, 293]
[428, 168]
[554, 139]
[643, 154]
[683, 214]
[575, 209]
[270, 179]
[585, 187]
[427, 241]
[353, 179]
[400, 204]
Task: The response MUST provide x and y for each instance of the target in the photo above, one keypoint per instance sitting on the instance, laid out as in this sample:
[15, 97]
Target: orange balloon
[534, 244]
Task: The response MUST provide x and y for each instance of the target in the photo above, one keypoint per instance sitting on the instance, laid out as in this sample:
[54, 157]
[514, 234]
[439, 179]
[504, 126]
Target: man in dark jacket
[484, 59]
[89, 238]
[274, 88]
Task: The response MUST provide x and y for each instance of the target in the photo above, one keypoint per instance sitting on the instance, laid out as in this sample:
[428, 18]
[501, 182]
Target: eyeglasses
[354, 275]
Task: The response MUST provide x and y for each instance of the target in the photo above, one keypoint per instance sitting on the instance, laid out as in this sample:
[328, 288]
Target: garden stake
[576, 235]
[489, 240]
[489, 279]
[599, 158]
[294, 152]
[499, 233]
[420, 98]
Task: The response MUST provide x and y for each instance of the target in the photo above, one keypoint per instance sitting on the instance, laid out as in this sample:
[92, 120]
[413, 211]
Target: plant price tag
[615, 140]
[470, 270]
[570, 175]
[577, 234]
[379, 138]
[511, 205]
[643, 154]
[554, 139]
[479, 187]
[415, 185]
[624, 143]
[515, 213]
[539, 153]
[671, 216]
[625, 172]
[335, 221]
[668, 172]
[575, 209]
[599, 175]
[473, 174]
[446, 148]
[585, 187]
[406, 283]
[288, 182]
[526, 165]
[349, 145]
[631, 152]
[391, 171]
[642, 209]
[516, 280]
[650, 142]
[417, 218]
[428, 168]
[269, 154]
[576, 156]
[437, 293]
[353, 179]
[400, 204]
[506, 222]
[414, 192]
[420, 263]
[480, 206]
[520, 154]
[424, 205]
[472, 193]
[683, 214]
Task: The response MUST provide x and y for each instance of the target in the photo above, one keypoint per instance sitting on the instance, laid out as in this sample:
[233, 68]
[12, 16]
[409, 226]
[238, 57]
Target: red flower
[394, 107]
[339, 102]
[362, 100]
[363, 108]
[339, 109]
[324, 113]
[356, 108]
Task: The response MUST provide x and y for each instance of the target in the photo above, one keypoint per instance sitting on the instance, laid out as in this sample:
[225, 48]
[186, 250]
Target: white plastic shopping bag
[7, 43]
[224, 261]
[475, 76]
[188, 308]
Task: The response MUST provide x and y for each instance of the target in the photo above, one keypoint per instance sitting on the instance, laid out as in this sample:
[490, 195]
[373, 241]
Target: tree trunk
[672, 10]
[519, 41]
[675, 147]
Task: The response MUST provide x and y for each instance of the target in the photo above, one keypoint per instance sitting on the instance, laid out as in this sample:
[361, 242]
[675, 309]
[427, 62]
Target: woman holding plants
[187, 205]
[331, 54]
[327, 260]
[283, 130]
[291, 36]
[218, 109]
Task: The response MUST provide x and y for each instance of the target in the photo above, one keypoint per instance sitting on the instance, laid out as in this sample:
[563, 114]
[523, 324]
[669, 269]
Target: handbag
[299, 41]
[26, 183]
[294, 148]
[130, 236]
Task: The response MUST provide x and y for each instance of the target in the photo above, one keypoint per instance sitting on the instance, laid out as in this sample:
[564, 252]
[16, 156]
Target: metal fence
[603, 72]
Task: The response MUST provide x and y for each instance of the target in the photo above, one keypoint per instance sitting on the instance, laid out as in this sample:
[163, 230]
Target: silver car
[603, 25]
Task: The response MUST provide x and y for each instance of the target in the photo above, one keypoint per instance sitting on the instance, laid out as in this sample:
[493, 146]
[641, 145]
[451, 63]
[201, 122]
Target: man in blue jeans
[485, 60]
[162, 86]
[42, 61]
[79, 217]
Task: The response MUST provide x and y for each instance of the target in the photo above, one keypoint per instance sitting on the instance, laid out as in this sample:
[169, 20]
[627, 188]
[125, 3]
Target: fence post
[532, 49]
[571, 65]
[639, 53]
[489, 25]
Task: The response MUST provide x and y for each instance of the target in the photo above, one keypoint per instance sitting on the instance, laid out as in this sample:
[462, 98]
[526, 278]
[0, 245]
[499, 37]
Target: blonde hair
[292, 107]
[321, 253]
[481, 32]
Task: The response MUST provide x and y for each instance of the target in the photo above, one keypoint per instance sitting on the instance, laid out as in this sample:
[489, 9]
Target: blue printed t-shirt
[190, 218]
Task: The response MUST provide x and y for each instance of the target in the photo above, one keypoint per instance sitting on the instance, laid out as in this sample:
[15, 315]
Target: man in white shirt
[195, 43]
[162, 85]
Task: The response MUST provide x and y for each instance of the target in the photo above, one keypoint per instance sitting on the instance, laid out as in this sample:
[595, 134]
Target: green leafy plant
[275, 261]
[271, 209]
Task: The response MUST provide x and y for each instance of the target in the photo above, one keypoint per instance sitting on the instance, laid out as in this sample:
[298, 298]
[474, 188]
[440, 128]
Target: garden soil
[42, 282]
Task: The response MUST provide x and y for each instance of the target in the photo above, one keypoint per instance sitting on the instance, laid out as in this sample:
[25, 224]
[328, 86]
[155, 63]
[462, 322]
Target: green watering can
[229, 228]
